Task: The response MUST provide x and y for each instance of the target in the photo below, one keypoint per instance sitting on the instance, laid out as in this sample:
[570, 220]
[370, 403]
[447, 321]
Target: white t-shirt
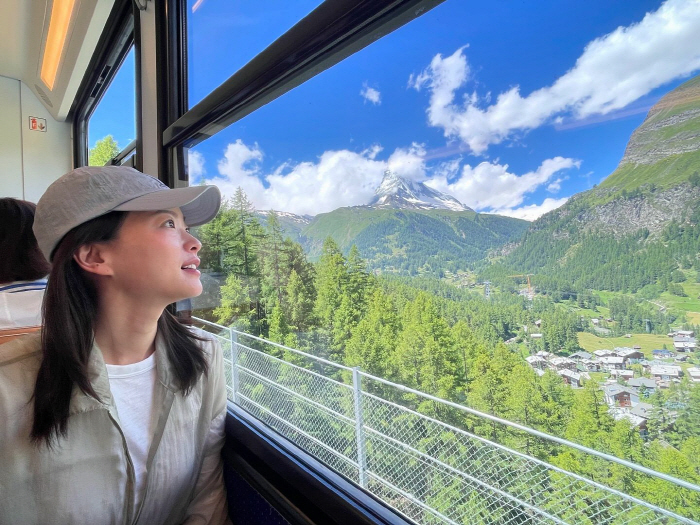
[20, 303]
[133, 388]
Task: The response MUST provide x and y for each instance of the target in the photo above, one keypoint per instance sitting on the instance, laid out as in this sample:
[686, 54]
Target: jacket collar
[97, 374]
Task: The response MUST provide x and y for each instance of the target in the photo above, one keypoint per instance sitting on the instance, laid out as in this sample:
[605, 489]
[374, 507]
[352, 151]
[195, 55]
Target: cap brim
[199, 204]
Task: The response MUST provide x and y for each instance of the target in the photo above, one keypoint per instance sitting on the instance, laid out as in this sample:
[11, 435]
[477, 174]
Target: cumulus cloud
[371, 94]
[490, 186]
[555, 185]
[340, 178]
[613, 71]
[532, 211]
[336, 179]
[195, 165]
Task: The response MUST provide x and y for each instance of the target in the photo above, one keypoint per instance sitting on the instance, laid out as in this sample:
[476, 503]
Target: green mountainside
[412, 241]
[641, 226]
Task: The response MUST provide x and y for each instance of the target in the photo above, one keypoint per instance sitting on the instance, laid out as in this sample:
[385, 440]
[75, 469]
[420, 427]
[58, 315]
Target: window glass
[475, 207]
[223, 35]
[112, 125]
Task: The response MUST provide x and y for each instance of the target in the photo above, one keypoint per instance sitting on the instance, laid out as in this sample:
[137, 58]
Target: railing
[435, 461]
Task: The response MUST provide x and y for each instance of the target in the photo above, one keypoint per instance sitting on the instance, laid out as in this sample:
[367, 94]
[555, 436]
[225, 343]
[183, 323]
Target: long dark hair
[70, 311]
[21, 258]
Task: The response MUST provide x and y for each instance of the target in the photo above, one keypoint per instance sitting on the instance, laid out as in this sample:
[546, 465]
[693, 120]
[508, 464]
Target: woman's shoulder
[208, 341]
[24, 350]
[19, 363]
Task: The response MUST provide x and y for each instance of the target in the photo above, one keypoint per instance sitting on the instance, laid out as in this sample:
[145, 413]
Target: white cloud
[338, 178]
[345, 178]
[371, 94]
[195, 165]
[490, 186]
[532, 211]
[613, 71]
[555, 185]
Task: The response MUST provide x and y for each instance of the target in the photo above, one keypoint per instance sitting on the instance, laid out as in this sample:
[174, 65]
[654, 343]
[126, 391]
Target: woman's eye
[187, 229]
[170, 223]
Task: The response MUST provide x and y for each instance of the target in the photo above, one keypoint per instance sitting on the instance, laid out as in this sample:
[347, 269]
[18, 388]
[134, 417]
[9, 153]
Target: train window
[222, 36]
[430, 271]
[107, 136]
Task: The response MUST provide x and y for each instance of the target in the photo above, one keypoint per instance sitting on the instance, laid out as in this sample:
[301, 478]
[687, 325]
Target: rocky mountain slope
[641, 224]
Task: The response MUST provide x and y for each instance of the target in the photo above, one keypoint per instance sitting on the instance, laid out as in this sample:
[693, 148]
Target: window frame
[122, 32]
[296, 56]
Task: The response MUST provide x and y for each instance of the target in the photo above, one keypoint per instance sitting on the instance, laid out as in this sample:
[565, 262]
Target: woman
[115, 412]
[23, 268]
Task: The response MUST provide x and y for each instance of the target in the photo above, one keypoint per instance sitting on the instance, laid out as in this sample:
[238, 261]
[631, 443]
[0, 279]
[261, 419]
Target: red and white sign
[37, 124]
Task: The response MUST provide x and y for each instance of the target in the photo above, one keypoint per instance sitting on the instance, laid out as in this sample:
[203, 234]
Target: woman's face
[154, 257]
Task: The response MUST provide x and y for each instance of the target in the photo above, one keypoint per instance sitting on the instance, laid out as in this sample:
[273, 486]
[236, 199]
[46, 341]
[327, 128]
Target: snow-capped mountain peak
[397, 192]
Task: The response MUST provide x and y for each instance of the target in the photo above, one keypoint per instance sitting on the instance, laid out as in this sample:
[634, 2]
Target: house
[544, 354]
[681, 358]
[630, 355]
[694, 374]
[624, 374]
[574, 379]
[580, 355]
[612, 362]
[618, 395]
[589, 365]
[536, 362]
[685, 333]
[642, 384]
[603, 353]
[562, 363]
[666, 373]
[684, 344]
[595, 321]
[662, 354]
[536, 336]
[642, 410]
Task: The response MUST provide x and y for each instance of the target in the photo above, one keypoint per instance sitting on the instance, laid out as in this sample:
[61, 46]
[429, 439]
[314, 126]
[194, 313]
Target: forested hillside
[640, 227]
[410, 242]
[424, 333]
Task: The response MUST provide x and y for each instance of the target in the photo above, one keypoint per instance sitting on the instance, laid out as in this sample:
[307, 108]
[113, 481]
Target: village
[628, 376]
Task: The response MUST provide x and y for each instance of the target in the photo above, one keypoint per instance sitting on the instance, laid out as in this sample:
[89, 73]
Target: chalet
[580, 355]
[694, 374]
[685, 333]
[574, 379]
[630, 355]
[666, 373]
[595, 321]
[624, 374]
[562, 363]
[536, 361]
[603, 353]
[684, 344]
[642, 410]
[589, 365]
[662, 353]
[618, 395]
[536, 336]
[543, 354]
[612, 362]
[649, 385]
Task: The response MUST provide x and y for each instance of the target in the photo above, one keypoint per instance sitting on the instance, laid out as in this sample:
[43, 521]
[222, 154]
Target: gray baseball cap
[86, 193]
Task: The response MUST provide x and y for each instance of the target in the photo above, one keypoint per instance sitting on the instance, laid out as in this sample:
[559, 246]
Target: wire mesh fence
[435, 461]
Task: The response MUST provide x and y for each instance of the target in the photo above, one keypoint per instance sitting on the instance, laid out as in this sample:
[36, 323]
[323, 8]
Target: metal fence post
[359, 425]
[233, 337]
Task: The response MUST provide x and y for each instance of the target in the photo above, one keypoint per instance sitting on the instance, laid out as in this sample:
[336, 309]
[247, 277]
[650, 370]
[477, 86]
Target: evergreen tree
[104, 151]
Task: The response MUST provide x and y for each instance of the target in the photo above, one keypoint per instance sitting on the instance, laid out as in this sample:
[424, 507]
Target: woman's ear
[91, 258]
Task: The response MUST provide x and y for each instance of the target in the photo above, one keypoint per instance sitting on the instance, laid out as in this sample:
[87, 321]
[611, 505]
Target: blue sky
[508, 107]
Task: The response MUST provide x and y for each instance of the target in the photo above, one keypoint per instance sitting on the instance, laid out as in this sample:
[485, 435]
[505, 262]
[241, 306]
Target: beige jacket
[88, 478]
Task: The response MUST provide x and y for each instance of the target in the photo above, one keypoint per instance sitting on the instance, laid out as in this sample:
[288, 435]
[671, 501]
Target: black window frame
[122, 32]
[299, 486]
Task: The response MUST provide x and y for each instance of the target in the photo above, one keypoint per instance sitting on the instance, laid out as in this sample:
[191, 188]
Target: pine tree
[104, 151]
